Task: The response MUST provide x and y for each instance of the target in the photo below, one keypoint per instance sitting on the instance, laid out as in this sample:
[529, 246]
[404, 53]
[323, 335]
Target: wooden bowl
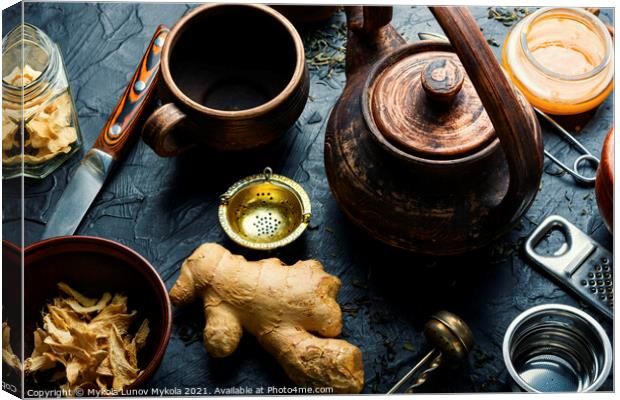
[605, 182]
[92, 266]
[11, 290]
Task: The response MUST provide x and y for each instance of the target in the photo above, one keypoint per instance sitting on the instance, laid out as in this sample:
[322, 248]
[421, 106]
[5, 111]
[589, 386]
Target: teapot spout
[370, 36]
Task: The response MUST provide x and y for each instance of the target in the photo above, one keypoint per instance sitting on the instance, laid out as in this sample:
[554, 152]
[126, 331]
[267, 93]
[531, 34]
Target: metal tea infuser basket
[264, 211]
[556, 348]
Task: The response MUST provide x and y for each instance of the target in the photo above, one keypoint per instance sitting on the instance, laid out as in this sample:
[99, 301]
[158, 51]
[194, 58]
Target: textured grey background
[164, 208]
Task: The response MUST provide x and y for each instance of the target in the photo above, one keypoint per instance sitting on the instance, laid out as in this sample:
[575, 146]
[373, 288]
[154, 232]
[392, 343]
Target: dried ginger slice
[80, 309]
[60, 111]
[65, 316]
[114, 314]
[132, 346]
[74, 366]
[9, 132]
[119, 299]
[124, 372]
[40, 359]
[39, 363]
[58, 333]
[43, 353]
[83, 338]
[40, 132]
[142, 334]
[105, 368]
[8, 356]
[80, 372]
[66, 136]
[85, 301]
[66, 349]
[19, 77]
[50, 130]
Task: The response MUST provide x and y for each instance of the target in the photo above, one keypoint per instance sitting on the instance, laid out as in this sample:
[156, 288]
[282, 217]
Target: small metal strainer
[264, 211]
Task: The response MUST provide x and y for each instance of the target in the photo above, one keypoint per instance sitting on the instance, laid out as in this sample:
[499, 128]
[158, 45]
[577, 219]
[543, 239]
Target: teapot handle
[370, 36]
[368, 19]
[513, 118]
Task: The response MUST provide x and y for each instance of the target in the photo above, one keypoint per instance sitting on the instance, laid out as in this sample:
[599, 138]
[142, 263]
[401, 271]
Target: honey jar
[562, 59]
[39, 121]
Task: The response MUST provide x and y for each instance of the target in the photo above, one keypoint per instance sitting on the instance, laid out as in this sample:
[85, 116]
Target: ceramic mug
[233, 77]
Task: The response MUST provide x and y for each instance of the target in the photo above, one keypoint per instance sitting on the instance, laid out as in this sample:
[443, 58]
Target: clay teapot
[605, 182]
[430, 148]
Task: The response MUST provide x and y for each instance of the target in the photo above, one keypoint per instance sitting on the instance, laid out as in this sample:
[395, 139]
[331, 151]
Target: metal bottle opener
[580, 264]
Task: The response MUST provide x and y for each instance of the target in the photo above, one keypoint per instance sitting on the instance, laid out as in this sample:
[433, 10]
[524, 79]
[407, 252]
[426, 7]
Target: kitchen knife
[113, 141]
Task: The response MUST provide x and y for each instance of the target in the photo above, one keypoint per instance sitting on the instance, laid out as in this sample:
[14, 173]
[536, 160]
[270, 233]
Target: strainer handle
[268, 173]
[513, 118]
[423, 377]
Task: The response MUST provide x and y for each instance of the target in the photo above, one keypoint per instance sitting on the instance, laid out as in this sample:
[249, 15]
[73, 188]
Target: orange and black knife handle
[120, 128]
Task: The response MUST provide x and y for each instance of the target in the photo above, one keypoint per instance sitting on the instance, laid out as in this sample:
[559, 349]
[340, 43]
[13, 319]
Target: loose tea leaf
[325, 49]
[506, 16]
[492, 42]
[409, 347]
[359, 284]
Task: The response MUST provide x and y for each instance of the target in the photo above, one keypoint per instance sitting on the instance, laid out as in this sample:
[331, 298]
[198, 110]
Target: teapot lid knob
[422, 102]
[442, 79]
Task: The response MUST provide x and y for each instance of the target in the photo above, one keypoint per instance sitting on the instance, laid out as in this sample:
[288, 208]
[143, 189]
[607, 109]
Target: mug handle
[158, 131]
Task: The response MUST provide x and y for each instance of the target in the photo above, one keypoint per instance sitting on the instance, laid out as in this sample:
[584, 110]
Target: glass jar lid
[422, 102]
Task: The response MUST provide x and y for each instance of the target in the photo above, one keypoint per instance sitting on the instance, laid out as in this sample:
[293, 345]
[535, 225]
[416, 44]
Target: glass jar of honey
[562, 59]
[39, 121]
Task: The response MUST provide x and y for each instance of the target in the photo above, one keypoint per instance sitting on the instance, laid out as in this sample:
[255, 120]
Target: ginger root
[278, 304]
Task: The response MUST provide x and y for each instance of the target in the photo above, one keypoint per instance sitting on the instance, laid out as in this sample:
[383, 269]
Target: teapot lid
[421, 101]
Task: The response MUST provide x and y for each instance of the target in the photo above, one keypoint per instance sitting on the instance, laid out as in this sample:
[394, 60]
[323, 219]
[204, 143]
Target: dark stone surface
[164, 208]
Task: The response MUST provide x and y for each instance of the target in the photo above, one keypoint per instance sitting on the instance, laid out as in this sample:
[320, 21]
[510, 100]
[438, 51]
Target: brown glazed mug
[233, 77]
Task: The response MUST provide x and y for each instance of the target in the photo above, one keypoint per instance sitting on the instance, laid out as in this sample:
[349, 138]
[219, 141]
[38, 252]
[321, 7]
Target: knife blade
[111, 144]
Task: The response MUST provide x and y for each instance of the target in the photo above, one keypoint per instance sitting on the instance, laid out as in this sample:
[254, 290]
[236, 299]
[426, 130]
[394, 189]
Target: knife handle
[121, 125]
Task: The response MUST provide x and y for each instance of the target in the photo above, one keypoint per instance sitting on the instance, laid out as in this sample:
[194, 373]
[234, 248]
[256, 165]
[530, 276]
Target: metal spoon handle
[412, 371]
[564, 132]
[436, 363]
[585, 156]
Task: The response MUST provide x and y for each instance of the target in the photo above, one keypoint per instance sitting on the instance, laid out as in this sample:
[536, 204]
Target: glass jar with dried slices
[39, 120]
